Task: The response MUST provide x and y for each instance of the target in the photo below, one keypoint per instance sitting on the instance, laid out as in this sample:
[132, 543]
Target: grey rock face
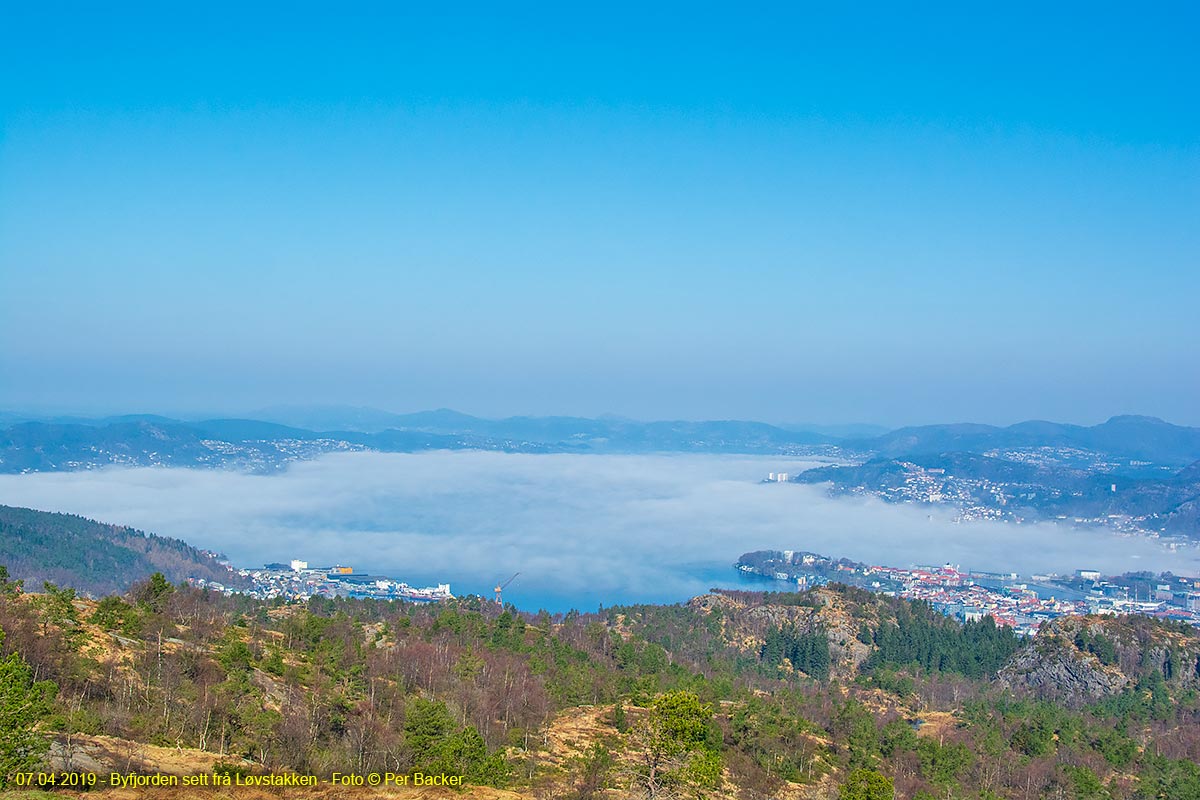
[1063, 662]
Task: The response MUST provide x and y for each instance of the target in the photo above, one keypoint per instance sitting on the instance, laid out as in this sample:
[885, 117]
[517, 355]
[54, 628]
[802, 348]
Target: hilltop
[95, 557]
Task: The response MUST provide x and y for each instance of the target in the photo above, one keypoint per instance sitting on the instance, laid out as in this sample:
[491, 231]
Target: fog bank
[581, 529]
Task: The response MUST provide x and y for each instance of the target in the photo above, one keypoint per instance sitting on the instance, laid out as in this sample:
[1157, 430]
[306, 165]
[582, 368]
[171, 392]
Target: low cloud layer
[581, 530]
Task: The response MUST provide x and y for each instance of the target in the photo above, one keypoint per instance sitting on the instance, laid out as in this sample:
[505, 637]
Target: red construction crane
[500, 588]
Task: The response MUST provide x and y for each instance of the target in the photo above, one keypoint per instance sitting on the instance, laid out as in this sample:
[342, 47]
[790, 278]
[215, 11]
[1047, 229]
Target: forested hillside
[96, 558]
[747, 695]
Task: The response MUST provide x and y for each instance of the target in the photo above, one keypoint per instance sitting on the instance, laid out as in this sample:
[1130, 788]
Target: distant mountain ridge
[267, 444]
[1134, 473]
[259, 445]
[1127, 436]
[555, 429]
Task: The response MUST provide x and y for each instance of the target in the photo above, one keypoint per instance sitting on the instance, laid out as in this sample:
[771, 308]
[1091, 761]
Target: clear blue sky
[964, 212]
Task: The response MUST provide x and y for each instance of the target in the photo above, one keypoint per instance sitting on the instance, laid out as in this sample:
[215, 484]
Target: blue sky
[783, 213]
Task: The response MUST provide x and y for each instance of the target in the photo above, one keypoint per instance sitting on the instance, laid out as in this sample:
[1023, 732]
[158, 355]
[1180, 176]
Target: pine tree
[23, 704]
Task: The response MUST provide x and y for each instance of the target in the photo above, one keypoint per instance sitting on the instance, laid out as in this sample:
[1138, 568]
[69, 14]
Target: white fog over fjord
[582, 530]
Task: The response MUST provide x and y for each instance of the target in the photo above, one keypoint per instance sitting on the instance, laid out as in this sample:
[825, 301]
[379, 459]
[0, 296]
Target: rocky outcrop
[747, 624]
[1076, 660]
[1058, 670]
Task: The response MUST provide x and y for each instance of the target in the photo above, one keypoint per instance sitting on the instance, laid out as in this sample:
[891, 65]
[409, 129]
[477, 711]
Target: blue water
[697, 579]
[1044, 591]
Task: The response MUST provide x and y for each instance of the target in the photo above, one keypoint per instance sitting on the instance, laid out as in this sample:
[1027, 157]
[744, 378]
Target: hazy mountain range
[67, 443]
[1130, 466]
[29, 443]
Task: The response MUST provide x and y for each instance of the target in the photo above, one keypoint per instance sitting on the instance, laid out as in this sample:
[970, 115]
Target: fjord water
[582, 530]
